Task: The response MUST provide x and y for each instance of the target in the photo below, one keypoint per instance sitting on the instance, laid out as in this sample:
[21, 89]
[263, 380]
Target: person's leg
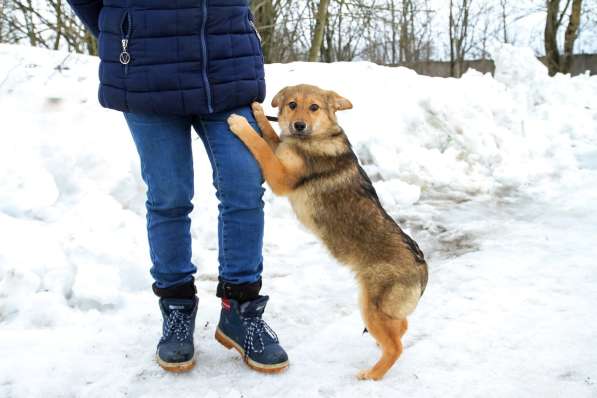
[164, 147]
[238, 182]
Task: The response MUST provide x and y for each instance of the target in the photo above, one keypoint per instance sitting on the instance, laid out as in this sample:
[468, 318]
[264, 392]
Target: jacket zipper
[204, 63]
[125, 56]
[256, 32]
[255, 29]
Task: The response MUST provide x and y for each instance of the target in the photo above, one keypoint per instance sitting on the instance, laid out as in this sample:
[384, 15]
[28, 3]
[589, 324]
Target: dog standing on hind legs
[313, 164]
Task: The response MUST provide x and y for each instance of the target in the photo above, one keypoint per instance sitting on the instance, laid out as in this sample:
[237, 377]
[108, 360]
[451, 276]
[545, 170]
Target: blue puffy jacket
[180, 57]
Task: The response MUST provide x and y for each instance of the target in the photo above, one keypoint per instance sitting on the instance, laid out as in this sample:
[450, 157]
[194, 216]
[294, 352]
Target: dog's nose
[299, 126]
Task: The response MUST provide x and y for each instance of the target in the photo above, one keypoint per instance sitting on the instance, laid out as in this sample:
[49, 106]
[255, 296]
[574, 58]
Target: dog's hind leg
[387, 332]
[404, 327]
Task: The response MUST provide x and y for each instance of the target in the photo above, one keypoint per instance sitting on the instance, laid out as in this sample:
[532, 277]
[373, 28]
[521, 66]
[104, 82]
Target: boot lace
[256, 327]
[178, 324]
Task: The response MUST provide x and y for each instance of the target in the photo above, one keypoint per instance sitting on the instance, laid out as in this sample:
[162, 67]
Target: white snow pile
[494, 177]
[470, 136]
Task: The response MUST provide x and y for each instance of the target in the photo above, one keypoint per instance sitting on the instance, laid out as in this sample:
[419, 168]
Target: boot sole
[175, 367]
[260, 367]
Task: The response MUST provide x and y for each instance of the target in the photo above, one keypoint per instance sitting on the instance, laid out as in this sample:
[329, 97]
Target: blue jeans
[164, 146]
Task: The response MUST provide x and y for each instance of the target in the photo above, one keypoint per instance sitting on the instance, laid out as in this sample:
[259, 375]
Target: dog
[313, 164]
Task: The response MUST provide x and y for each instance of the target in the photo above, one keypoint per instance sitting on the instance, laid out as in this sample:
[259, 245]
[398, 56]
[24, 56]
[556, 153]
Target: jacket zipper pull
[125, 57]
[255, 29]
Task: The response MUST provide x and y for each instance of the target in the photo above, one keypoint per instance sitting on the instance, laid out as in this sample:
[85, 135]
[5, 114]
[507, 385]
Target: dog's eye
[292, 105]
[313, 107]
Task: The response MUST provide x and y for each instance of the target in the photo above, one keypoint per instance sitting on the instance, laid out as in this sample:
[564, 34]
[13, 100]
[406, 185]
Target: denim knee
[170, 206]
[169, 194]
[242, 187]
[245, 196]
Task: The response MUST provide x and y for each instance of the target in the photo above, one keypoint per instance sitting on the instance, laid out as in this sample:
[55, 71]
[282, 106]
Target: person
[169, 67]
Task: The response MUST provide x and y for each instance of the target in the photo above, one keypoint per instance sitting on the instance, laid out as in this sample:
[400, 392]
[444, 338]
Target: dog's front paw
[257, 109]
[237, 123]
[367, 375]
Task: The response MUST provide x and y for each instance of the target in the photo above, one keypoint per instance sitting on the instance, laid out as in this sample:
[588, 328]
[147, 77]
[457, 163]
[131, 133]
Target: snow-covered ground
[496, 179]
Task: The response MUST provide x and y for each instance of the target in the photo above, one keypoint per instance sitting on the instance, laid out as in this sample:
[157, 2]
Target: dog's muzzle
[299, 128]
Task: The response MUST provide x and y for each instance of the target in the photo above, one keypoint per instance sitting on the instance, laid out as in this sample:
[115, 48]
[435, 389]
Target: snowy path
[496, 183]
[513, 317]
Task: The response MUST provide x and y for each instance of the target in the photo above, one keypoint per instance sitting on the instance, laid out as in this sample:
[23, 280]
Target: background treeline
[389, 32]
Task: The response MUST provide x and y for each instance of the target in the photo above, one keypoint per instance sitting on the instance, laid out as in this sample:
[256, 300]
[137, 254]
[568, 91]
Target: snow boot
[241, 327]
[176, 352]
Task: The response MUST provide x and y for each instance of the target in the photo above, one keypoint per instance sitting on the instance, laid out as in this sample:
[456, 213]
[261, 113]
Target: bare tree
[406, 31]
[504, 19]
[49, 24]
[554, 20]
[571, 35]
[349, 26]
[320, 22]
[266, 15]
[459, 35]
[4, 12]
[415, 31]
[390, 32]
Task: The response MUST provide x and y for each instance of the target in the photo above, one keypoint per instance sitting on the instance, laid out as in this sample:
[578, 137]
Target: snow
[495, 178]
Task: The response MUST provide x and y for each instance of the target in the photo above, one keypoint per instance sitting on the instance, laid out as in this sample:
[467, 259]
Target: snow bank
[468, 136]
[69, 192]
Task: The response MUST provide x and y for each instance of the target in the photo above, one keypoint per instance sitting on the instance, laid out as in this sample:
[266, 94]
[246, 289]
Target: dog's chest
[303, 208]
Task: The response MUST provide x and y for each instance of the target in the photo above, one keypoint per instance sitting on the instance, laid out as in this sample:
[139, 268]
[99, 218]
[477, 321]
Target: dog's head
[306, 110]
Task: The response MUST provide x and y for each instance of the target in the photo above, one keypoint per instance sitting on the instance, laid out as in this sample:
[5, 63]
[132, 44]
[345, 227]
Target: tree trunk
[91, 43]
[552, 55]
[462, 37]
[406, 35]
[504, 5]
[327, 48]
[570, 36]
[265, 21]
[58, 9]
[320, 20]
[2, 19]
[393, 22]
[452, 38]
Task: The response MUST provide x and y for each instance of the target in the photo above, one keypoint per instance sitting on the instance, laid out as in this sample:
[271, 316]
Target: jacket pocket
[126, 26]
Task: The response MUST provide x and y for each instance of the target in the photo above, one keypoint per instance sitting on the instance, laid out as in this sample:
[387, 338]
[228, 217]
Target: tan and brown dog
[313, 164]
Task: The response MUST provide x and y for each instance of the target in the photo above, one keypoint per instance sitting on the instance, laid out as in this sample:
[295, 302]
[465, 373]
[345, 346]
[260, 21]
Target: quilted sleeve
[88, 11]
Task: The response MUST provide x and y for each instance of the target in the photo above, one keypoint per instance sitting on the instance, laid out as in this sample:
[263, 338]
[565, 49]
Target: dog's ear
[278, 97]
[340, 103]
